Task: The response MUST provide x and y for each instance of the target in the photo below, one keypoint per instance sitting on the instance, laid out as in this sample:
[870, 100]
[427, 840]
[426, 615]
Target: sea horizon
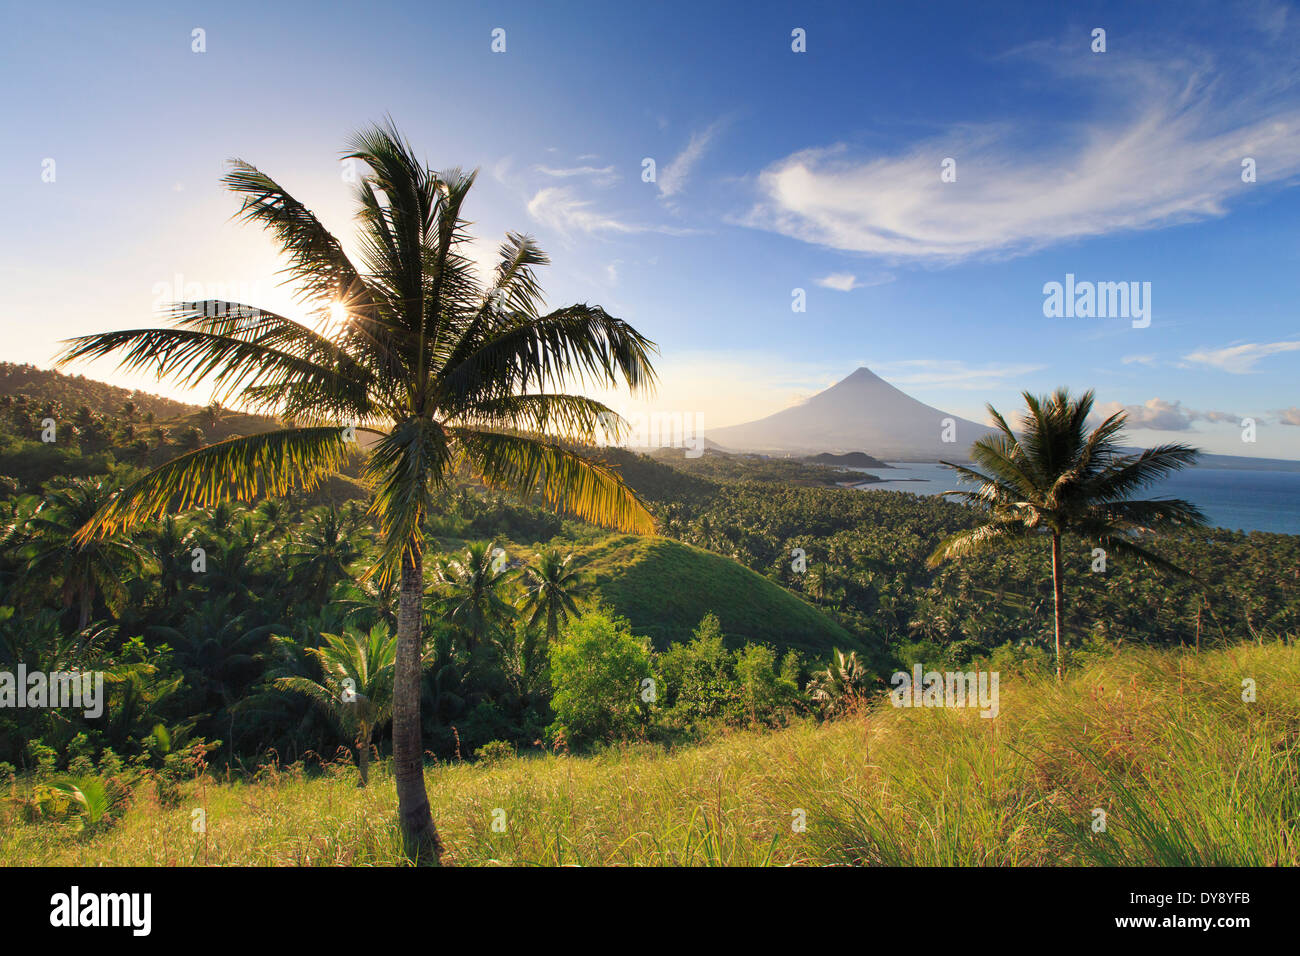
[1235, 499]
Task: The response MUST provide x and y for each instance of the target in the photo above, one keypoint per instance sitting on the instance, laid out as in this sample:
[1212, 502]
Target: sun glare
[338, 313]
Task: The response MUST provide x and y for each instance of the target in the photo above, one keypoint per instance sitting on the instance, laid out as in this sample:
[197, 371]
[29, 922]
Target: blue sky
[775, 171]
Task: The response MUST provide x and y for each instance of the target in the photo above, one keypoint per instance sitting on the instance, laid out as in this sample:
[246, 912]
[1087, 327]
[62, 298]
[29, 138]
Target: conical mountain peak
[861, 412]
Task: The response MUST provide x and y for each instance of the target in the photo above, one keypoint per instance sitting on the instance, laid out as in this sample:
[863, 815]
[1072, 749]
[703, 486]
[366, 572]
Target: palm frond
[567, 417]
[517, 354]
[1127, 547]
[975, 540]
[1132, 473]
[406, 465]
[271, 463]
[525, 465]
[189, 357]
[317, 262]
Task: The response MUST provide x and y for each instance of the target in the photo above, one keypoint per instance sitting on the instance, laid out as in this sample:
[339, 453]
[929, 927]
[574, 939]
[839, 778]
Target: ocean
[1238, 499]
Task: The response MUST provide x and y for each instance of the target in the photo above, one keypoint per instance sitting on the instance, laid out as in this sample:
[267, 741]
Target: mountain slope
[860, 413]
[72, 391]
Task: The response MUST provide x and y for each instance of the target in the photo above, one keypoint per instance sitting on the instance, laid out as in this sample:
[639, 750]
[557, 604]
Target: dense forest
[226, 631]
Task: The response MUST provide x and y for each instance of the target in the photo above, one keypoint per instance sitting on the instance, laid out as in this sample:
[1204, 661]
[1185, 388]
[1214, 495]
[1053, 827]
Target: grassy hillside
[223, 424]
[1187, 773]
[664, 587]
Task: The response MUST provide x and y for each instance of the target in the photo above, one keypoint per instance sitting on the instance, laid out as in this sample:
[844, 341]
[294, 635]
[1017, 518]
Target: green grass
[665, 587]
[1187, 773]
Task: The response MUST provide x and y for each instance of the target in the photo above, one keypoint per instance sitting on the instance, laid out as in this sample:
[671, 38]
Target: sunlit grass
[1186, 772]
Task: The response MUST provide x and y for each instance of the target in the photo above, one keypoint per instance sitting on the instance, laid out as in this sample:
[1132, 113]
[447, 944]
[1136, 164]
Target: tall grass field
[1145, 758]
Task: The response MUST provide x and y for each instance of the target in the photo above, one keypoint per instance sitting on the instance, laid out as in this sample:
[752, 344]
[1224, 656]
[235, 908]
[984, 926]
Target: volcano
[860, 413]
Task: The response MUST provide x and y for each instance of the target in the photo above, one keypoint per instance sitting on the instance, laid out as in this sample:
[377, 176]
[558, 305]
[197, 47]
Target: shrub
[699, 676]
[495, 751]
[768, 694]
[597, 669]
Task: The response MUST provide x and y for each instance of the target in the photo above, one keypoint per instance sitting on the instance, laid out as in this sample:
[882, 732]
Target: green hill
[664, 588]
[853, 459]
[71, 392]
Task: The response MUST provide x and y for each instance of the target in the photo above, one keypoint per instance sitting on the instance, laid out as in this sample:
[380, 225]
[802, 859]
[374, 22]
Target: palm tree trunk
[363, 758]
[420, 834]
[1058, 596]
[84, 613]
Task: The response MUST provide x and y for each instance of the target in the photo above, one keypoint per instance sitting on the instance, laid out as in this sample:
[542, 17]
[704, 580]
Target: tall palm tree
[551, 590]
[440, 370]
[356, 685]
[470, 585]
[1058, 478]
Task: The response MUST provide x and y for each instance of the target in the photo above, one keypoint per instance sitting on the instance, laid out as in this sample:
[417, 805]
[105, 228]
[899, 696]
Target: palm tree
[273, 514]
[1058, 478]
[842, 683]
[323, 553]
[551, 591]
[356, 685]
[84, 568]
[216, 650]
[442, 371]
[470, 599]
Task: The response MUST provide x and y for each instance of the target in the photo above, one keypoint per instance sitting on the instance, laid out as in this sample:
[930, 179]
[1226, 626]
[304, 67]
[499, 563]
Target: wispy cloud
[1240, 359]
[599, 175]
[560, 208]
[1164, 145]
[730, 386]
[672, 177]
[951, 373]
[1288, 416]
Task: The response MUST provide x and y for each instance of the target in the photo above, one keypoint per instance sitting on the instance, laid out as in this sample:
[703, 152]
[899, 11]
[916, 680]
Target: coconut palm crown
[551, 591]
[1058, 478]
[436, 371]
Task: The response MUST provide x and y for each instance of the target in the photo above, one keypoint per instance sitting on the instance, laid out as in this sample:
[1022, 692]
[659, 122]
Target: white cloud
[1163, 146]
[1240, 359]
[1138, 360]
[1288, 416]
[848, 281]
[672, 178]
[840, 281]
[1157, 414]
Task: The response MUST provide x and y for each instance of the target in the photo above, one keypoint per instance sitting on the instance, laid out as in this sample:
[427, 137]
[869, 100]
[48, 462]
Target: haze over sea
[1238, 499]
